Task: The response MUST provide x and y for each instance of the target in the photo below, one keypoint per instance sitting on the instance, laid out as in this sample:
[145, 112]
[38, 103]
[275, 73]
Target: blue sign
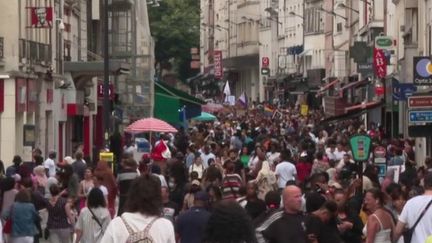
[401, 91]
[420, 116]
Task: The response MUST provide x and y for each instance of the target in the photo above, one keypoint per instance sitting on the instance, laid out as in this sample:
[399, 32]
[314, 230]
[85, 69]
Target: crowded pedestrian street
[215, 121]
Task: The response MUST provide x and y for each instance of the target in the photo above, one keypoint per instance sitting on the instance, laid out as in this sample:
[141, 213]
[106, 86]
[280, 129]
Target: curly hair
[232, 214]
[145, 196]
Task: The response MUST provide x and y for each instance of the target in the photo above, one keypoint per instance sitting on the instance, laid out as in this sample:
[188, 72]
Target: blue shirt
[24, 218]
[191, 224]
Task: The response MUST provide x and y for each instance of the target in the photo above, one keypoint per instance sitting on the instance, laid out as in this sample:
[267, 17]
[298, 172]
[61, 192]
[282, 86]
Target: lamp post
[106, 102]
[342, 5]
[332, 13]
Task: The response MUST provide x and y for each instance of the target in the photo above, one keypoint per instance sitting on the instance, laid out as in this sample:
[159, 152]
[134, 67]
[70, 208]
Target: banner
[218, 67]
[379, 63]
[41, 17]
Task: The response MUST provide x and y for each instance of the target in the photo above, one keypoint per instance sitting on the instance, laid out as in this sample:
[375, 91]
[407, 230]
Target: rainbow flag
[268, 111]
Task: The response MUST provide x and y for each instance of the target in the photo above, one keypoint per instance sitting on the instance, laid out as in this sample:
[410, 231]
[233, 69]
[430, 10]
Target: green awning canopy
[185, 97]
[166, 108]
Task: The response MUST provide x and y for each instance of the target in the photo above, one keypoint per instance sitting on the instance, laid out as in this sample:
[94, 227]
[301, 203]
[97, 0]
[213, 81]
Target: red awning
[363, 106]
[327, 86]
[355, 84]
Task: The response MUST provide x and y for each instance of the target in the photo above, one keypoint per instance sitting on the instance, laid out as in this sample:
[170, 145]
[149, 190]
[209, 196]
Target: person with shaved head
[286, 224]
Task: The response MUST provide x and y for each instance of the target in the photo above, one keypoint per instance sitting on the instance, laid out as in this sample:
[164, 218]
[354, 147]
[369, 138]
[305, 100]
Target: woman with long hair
[103, 171]
[85, 187]
[93, 219]
[142, 213]
[380, 224]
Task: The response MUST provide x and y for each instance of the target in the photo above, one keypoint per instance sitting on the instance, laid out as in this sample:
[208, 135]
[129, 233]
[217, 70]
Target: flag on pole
[226, 91]
[243, 100]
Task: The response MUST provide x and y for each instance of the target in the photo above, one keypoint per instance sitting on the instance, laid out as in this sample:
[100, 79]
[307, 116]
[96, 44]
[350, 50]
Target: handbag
[7, 227]
[408, 233]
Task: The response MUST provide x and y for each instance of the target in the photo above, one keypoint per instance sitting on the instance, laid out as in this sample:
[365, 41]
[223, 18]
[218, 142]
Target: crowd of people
[248, 177]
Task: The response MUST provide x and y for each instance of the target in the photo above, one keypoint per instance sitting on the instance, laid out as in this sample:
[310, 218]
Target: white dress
[382, 236]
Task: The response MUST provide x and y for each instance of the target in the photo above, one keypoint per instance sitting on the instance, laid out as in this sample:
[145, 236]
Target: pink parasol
[150, 125]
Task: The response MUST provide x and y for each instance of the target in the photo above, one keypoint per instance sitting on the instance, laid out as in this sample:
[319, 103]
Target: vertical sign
[380, 63]
[41, 17]
[218, 67]
[265, 62]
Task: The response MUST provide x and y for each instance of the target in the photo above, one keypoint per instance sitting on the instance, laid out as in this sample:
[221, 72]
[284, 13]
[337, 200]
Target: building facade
[51, 70]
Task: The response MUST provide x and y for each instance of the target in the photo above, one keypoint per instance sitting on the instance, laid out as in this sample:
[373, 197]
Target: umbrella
[204, 117]
[150, 125]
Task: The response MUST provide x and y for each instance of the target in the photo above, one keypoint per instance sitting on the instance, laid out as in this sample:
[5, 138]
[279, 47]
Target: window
[339, 27]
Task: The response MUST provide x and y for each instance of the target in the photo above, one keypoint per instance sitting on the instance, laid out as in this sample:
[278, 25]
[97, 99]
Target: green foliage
[175, 27]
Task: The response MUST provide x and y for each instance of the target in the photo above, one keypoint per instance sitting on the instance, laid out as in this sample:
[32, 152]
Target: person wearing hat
[188, 201]
[191, 223]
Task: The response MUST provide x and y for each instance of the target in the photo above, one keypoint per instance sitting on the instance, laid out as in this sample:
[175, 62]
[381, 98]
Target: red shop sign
[218, 67]
[380, 63]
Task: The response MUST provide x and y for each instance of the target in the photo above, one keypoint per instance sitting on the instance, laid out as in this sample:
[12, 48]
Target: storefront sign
[360, 147]
[265, 62]
[401, 91]
[422, 71]
[380, 63]
[218, 67]
[424, 101]
[41, 17]
[380, 155]
[384, 42]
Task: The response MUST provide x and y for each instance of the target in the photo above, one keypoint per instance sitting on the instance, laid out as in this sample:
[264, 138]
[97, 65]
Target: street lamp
[342, 5]
[332, 13]
[295, 15]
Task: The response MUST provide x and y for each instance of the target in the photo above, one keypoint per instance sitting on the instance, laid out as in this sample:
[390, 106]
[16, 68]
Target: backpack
[139, 236]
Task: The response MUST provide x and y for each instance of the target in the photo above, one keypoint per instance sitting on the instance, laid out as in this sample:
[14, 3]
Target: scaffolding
[131, 42]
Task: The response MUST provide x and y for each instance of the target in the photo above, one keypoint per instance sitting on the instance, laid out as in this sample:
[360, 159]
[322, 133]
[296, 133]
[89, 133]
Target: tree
[175, 27]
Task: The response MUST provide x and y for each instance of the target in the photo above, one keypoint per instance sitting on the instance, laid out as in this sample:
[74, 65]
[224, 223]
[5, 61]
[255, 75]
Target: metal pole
[106, 102]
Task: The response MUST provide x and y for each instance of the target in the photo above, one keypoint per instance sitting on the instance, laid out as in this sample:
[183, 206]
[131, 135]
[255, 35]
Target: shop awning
[366, 105]
[166, 108]
[355, 112]
[328, 86]
[355, 84]
[169, 100]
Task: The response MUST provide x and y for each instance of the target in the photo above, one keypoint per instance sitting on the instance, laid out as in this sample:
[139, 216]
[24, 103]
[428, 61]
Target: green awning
[166, 108]
[166, 89]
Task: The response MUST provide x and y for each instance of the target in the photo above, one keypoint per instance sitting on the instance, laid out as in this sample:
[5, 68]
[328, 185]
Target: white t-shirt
[285, 171]
[50, 165]
[410, 214]
[206, 157]
[104, 190]
[162, 230]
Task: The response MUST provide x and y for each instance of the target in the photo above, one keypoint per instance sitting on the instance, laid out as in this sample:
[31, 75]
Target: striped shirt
[231, 184]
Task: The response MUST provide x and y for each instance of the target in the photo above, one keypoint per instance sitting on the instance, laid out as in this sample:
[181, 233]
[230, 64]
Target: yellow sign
[108, 157]
[304, 109]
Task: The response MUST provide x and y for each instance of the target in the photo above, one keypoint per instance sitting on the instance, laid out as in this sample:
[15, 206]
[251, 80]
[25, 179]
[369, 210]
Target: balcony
[34, 52]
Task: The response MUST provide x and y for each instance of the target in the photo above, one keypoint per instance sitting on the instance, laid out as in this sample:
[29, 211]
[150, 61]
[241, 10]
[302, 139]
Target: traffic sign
[420, 101]
[384, 42]
[265, 62]
[420, 116]
[265, 71]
